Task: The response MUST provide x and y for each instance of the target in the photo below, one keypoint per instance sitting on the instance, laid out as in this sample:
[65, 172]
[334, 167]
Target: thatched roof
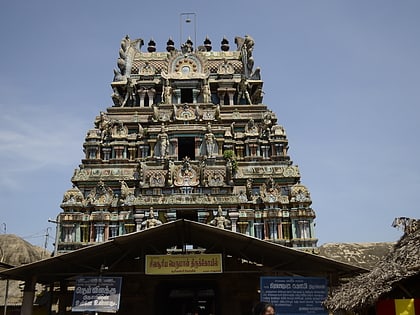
[14, 251]
[364, 255]
[401, 263]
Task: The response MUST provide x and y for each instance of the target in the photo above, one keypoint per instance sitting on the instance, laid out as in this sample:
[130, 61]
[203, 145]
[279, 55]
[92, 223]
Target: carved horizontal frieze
[86, 174]
[180, 199]
[278, 171]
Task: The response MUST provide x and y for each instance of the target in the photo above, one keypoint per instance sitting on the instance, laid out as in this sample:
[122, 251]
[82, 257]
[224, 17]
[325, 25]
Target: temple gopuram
[186, 201]
[187, 137]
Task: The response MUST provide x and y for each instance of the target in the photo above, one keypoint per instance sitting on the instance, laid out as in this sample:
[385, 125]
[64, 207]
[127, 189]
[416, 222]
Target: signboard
[183, 264]
[97, 294]
[295, 295]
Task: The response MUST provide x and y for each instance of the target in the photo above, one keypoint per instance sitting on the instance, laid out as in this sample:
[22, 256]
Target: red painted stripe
[385, 307]
[417, 306]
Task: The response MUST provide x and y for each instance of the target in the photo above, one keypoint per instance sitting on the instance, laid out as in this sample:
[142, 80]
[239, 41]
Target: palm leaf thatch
[400, 264]
[14, 251]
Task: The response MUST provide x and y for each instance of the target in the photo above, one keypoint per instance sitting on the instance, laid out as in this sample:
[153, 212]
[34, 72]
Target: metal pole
[187, 20]
[6, 294]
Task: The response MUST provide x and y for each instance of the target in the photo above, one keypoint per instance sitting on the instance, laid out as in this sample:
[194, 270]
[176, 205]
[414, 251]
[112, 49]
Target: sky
[343, 78]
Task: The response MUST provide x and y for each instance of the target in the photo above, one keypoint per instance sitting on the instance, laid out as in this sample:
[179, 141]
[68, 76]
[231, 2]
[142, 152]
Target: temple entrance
[186, 298]
[186, 147]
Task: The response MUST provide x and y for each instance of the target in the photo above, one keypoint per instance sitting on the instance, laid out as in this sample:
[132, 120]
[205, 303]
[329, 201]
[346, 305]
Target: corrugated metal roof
[157, 240]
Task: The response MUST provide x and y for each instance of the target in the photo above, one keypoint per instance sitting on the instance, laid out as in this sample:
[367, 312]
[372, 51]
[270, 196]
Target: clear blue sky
[343, 78]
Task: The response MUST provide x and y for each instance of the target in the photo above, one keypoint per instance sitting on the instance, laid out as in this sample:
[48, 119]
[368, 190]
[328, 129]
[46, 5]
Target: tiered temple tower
[188, 137]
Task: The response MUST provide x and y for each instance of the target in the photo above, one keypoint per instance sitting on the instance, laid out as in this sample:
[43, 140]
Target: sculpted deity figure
[151, 221]
[251, 128]
[243, 93]
[210, 141]
[205, 90]
[116, 97]
[104, 124]
[167, 93]
[130, 95]
[163, 142]
[220, 220]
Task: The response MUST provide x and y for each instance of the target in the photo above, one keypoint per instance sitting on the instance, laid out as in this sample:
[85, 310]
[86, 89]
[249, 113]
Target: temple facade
[187, 137]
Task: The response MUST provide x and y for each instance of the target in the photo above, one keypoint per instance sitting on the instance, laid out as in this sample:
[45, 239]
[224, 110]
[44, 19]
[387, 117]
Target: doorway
[186, 298]
[186, 96]
[186, 147]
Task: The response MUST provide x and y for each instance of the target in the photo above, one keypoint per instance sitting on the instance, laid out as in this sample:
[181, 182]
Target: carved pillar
[151, 94]
[118, 152]
[198, 143]
[106, 153]
[141, 93]
[221, 94]
[132, 153]
[264, 150]
[177, 93]
[240, 152]
[174, 145]
[138, 218]
[195, 93]
[259, 226]
[231, 94]
[234, 219]
[143, 151]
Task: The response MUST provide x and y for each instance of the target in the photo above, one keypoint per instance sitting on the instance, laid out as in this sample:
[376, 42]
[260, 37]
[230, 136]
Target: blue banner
[295, 295]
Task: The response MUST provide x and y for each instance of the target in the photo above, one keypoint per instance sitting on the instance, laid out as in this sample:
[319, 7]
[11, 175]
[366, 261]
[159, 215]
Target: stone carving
[269, 191]
[257, 96]
[125, 55]
[225, 69]
[127, 194]
[278, 130]
[243, 88]
[205, 91]
[73, 195]
[147, 70]
[167, 93]
[100, 195]
[246, 46]
[171, 172]
[220, 220]
[184, 112]
[209, 142]
[130, 93]
[187, 47]
[249, 182]
[299, 193]
[251, 129]
[151, 221]
[186, 174]
[140, 132]
[157, 178]
[214, 177]
[162, 145]
[116, 96]
[119, 130]
[104, 124]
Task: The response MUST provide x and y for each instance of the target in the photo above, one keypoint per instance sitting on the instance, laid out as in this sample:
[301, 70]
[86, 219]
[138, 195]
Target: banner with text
[97, 294]
[183, 264]
[295, 295]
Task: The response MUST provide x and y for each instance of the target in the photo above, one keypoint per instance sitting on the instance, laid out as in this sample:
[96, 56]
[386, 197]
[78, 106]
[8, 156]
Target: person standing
[264, 308]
